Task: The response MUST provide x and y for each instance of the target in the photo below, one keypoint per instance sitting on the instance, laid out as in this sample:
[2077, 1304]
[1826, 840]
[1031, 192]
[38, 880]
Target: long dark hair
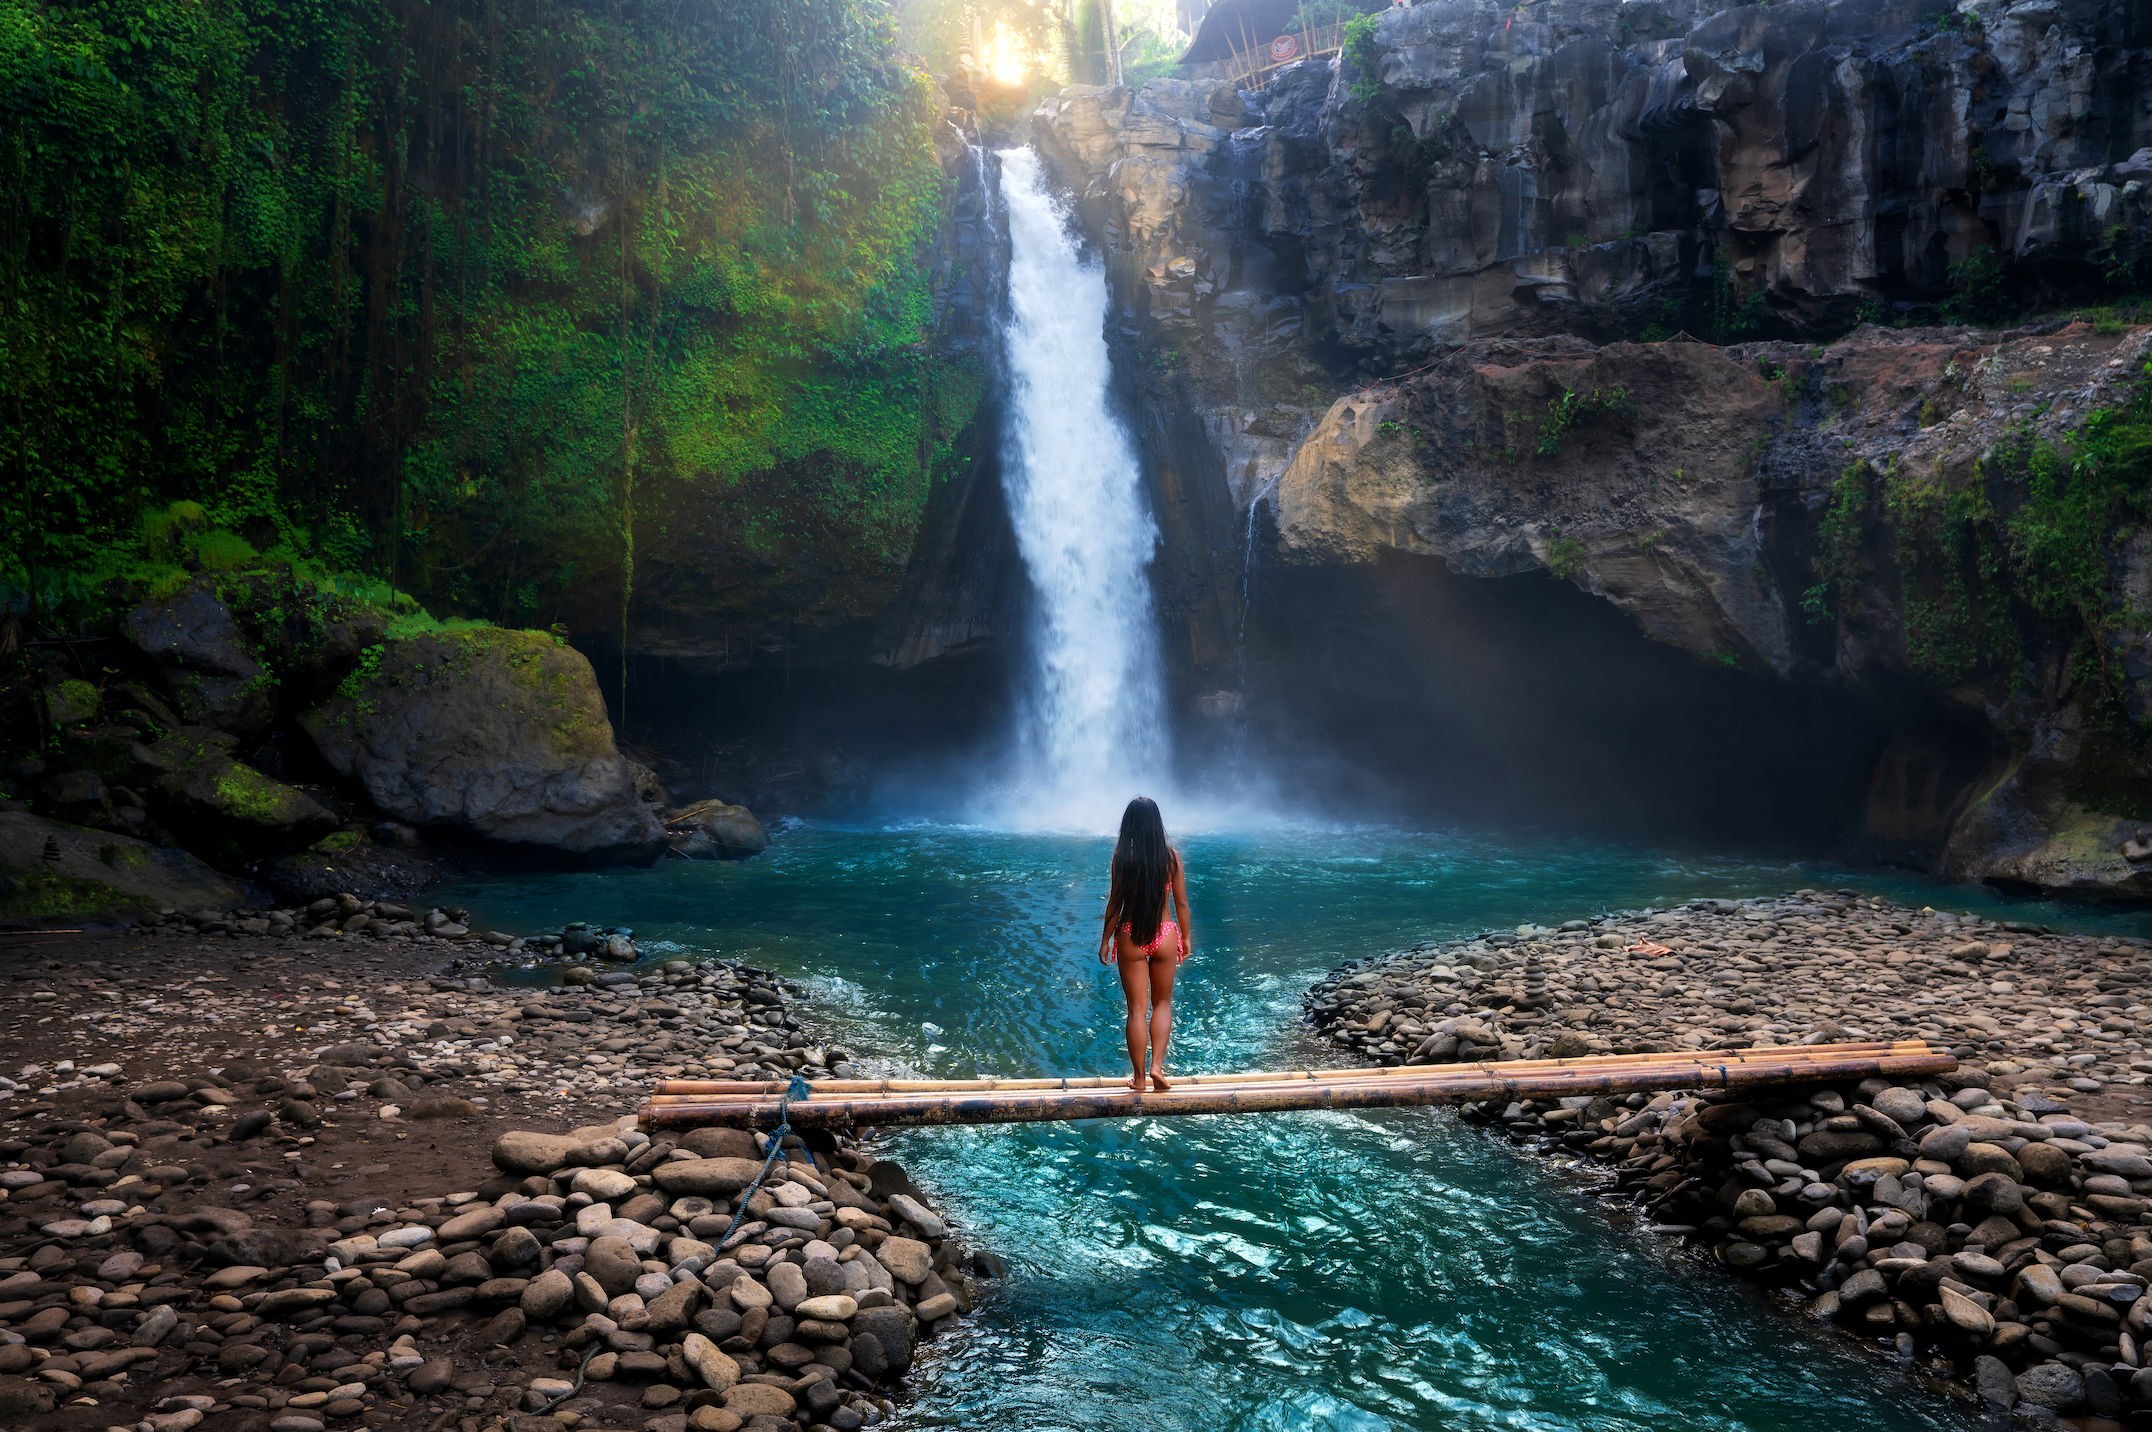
[1143, 868]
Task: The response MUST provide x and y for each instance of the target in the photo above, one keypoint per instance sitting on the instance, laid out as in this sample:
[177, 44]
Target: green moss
[1954, 601]
[72, 702]
[244, 793]
[2031, 543]
[423, 623]
[222, 551]
[46, 894]
[338, 843]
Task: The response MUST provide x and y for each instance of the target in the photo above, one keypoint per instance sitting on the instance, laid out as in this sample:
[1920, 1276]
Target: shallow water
[1389, 1269]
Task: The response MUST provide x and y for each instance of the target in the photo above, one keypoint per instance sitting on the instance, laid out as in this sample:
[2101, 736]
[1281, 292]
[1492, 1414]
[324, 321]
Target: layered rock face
[1589, 168]
[1414, 302]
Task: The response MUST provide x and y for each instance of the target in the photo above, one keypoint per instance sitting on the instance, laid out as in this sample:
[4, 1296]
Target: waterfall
[1092, 731]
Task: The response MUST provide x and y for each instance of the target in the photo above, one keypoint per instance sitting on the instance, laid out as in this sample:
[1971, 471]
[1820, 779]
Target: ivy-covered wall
[473, 300]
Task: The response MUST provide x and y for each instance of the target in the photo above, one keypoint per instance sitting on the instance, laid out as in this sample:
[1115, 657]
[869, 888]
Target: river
[1393, 1269]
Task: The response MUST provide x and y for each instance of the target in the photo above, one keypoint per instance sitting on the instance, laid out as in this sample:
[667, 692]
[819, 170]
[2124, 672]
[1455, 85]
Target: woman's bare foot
[1158, 1082]
[1135, 1085]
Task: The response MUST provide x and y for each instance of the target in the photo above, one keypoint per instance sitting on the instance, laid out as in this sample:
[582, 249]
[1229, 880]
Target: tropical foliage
[457, 297]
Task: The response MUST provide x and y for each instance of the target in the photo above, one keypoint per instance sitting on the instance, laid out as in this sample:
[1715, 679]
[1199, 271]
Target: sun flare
[1006, 57]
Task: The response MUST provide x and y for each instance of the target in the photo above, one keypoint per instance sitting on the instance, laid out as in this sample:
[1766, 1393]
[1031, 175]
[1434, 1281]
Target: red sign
[1283, 48]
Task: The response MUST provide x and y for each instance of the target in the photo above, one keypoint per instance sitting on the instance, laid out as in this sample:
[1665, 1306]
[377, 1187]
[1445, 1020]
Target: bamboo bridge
[883, 1103]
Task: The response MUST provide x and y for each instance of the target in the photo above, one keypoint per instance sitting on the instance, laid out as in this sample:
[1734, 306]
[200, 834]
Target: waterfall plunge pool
[1388, 1269]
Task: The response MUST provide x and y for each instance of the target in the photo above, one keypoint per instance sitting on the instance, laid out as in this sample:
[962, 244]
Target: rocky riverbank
[240, 1188]
[1993, 1221]
[257, 735]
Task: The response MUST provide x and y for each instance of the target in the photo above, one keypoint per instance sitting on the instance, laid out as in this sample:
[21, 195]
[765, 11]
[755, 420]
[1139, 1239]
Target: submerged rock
[713, 830]
[500, 733]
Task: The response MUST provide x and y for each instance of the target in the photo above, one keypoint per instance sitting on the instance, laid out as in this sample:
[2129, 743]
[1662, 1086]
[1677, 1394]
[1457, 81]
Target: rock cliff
[1760, 171]
[1682, 307]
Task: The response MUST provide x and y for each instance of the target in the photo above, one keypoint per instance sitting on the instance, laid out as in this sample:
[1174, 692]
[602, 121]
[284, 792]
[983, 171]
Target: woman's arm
[1180, 908]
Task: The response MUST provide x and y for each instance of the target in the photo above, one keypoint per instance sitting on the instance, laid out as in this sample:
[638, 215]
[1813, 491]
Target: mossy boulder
[499, 733]
[205, 660]
[51, 872]
[70, 703]
[204, 784]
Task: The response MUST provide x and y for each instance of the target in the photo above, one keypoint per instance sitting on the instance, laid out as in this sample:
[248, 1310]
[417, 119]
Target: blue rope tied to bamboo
[799, 1088]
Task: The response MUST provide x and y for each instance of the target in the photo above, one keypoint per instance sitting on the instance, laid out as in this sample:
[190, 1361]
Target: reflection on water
[1327, 1270]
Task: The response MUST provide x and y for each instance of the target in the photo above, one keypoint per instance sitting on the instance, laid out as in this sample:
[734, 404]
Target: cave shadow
[1400, 690]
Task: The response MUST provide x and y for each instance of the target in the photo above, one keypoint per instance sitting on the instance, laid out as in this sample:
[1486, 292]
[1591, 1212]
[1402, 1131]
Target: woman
[1140, 940]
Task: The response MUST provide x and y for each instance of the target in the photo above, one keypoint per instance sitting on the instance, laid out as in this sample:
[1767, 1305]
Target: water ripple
[1324, 1270]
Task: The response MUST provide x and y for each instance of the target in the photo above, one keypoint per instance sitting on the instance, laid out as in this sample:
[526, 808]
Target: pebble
[1971, 1215]
[463, 1270]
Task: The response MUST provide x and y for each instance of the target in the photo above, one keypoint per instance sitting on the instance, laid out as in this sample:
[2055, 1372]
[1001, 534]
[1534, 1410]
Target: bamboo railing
[1252, 60]
[859, 1103]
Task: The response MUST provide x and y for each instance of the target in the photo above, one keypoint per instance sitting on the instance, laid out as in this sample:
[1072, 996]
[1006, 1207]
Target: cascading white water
[1093, 730]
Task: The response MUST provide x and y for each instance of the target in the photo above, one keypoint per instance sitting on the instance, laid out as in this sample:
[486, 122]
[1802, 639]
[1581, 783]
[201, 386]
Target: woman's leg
[1161, 982]
[1136, 989]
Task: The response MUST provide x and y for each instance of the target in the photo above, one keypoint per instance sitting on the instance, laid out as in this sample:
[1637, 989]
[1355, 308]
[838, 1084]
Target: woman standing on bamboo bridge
[1141, 940]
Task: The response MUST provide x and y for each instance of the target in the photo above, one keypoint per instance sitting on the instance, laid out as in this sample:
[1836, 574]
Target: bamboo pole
[1416, 1074]
[868, 1092]
[668, 1090]
[988, 1109]
[1431, 1084]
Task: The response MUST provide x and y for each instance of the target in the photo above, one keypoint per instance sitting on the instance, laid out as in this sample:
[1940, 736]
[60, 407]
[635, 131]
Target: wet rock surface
[240, 1183]
[1995, 1222]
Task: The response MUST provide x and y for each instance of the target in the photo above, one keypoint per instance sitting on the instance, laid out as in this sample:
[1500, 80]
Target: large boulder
[212, 670]
[204, 787]
[51, 871]
[501, 733]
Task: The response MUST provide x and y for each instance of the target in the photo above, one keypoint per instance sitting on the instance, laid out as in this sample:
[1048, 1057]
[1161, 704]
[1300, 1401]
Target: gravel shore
[244, 1183]
[1995, 1221]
